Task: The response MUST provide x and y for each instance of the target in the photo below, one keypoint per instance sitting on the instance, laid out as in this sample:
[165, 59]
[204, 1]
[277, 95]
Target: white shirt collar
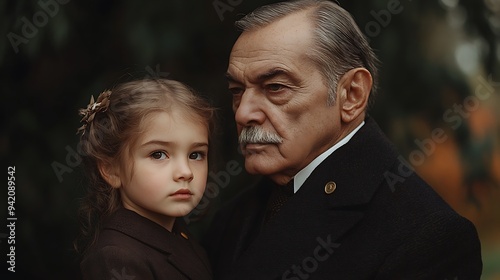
[303, 174]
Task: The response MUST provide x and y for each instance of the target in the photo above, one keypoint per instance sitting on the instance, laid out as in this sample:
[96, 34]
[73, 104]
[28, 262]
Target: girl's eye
[159, 155]
[197, 155]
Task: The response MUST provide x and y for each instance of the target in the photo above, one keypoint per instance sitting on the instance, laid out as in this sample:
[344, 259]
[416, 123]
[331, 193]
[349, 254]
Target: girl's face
[170, 168]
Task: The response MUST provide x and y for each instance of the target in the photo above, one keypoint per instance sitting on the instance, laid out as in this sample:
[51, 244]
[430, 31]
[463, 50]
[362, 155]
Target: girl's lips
[182, 194]
[182, 191]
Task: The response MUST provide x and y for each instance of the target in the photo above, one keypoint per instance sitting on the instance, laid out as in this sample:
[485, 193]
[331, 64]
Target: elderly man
[301, 75]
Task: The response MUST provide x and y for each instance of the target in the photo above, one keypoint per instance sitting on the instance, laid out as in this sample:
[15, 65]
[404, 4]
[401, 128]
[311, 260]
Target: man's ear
[354, 89]
[111, 174]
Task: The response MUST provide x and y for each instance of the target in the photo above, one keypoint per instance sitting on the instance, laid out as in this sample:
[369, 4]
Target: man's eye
[159, 155]
[274, 87]
[197, 155]
[235, 90]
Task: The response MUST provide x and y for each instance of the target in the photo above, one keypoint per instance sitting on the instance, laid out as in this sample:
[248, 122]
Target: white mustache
[257, 135]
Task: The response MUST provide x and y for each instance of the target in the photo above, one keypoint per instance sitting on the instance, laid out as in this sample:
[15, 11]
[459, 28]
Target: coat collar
[357, 168]
[173, 244]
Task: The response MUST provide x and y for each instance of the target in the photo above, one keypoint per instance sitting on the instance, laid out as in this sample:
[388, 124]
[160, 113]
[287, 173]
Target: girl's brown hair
[109, 132]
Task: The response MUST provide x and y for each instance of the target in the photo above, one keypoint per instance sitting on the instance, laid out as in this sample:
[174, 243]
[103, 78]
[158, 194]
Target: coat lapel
[182, 258]
[313, 218]
[179, 250]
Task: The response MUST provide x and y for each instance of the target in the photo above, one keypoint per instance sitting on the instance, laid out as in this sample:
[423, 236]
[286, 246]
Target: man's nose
[249, 109]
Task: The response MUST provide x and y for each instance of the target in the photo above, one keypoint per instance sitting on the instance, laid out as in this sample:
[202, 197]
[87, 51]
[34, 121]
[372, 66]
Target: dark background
[434, 56]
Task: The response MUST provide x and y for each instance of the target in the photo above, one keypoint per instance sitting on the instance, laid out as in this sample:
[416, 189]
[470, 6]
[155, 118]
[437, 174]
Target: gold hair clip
[100, 105]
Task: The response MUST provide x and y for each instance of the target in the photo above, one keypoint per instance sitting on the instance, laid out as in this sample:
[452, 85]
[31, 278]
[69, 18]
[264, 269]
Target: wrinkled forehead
[285, 43]
[290, 32]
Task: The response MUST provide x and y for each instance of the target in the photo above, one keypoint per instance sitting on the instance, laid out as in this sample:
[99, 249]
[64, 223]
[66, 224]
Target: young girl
[145, 146]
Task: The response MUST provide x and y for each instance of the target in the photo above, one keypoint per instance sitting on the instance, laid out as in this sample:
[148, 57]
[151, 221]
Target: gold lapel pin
[330, 187]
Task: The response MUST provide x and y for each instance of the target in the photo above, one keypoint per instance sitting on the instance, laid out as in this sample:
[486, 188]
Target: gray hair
[339, 44]
[256, 134]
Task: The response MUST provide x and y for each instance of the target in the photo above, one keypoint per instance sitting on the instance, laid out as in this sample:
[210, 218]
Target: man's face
[278, 89]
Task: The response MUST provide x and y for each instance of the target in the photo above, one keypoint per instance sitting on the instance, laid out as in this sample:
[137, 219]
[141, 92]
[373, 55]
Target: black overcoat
[381, 221]
[133, 247]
